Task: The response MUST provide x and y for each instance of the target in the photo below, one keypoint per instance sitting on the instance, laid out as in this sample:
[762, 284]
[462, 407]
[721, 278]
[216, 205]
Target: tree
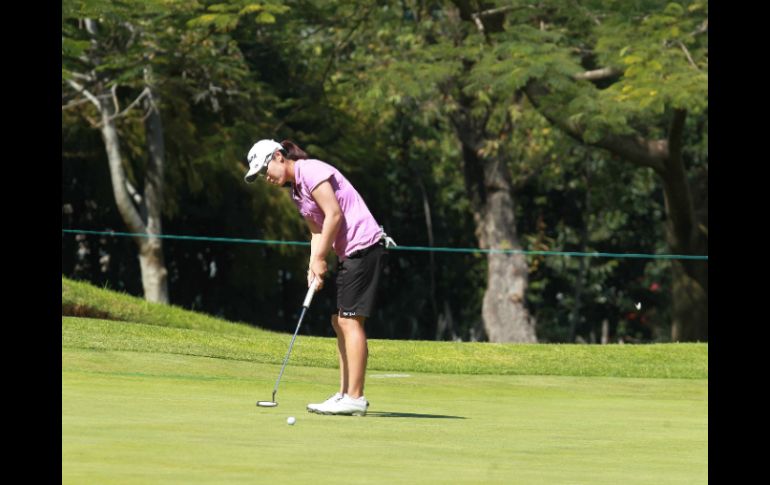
[115, 50]
[619, 77]
[624, 110]
[428, 55]
[655, 74]
[94, 68]
[442, 114]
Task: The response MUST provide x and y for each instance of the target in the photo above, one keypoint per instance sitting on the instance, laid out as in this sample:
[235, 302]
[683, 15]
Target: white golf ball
[291, 420]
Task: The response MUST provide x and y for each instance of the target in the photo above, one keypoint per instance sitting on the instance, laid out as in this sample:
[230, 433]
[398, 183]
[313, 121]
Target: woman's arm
[315, 238]
[321, 244]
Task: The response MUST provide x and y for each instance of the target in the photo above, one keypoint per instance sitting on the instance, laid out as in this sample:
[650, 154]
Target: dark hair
[292, 151]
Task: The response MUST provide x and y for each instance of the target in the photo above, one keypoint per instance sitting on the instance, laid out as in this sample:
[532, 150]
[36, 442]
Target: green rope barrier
[402, 248]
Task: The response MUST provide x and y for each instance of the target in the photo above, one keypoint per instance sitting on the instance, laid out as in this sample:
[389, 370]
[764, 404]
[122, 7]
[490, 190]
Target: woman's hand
[317, 269]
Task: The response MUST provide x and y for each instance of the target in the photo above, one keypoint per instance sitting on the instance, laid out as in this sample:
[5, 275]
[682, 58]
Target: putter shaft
[305, 306]
[286, 359]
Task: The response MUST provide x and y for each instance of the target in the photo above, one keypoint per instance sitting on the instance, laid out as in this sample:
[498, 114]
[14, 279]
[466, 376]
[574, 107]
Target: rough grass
[130, 323]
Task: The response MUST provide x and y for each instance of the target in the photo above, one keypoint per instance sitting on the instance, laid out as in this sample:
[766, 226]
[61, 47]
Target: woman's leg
[342, 354]
[356, 354]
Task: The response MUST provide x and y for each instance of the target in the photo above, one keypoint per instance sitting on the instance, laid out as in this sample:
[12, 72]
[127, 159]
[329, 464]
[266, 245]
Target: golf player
[338, 218]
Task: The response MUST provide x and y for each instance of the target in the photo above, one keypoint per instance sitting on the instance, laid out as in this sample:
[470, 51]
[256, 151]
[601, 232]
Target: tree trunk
[406, 141]
[684, 236]
[154, 281]
[489, 186]
[584, 263]
[689, 321]
[445, 324]
[431, 256]
[505, 316]
[147, 218]
[154, 273]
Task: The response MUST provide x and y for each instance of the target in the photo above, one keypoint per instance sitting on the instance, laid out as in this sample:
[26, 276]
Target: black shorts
[358, 277]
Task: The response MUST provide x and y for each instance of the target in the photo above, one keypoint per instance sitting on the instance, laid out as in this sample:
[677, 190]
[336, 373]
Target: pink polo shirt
[358, 229]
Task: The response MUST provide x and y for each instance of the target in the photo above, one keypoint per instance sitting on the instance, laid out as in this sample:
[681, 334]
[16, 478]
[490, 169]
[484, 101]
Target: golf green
[142, 417]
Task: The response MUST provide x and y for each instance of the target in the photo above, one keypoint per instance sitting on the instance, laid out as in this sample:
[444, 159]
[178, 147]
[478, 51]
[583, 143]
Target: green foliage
[595, 204]
[224, 17]
[371, 88]
[73, 47]
[211, 106]
[516, 57]
[653, 53]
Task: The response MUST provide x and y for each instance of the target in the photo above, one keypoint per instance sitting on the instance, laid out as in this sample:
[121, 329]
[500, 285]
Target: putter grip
[310, 293]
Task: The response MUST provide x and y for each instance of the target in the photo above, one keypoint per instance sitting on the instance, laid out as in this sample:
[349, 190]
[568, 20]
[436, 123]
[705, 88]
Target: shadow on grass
[384, 414]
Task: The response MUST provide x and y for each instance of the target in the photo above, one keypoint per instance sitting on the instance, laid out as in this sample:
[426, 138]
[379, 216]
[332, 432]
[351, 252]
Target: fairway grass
[123, 322]
[144, 417]
[660, 360]
[157, 394]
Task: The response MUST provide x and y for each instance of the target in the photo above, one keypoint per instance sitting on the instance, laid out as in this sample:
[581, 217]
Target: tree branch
[494, 11]
[675, 134]
[94, 123]
[687, 53]
[134, 193]
[338, 48]
[637, 150]
[115, 97]
[93, 99]
[144, 93]
[131, 29]
[77, 102]
[82, 90]
[633, 148]
[486, 13]
[704, 27]
[81, 76]
[598, 74]
[477, 21]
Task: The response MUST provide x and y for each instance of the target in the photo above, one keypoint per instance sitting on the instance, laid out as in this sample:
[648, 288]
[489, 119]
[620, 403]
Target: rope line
[400, 248]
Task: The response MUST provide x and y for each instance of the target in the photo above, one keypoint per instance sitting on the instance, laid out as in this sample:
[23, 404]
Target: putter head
[268, 404]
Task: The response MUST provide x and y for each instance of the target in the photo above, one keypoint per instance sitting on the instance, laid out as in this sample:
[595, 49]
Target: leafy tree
[424, 55]
[653, 77]
[478, 64]
[132, 54]
[413, 101]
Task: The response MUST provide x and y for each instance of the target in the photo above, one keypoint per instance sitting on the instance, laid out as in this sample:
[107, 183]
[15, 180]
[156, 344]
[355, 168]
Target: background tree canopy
[594, 115]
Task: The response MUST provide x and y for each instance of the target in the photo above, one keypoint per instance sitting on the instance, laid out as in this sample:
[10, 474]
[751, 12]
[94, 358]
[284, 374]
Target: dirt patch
[84, 311]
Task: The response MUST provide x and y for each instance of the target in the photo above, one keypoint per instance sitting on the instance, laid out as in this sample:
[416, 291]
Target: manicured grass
[146, 417]
[145, 326]
[156, 394]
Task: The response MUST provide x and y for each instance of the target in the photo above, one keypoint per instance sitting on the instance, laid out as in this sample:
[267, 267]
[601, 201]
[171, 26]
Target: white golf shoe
[320, 407]
[348, 406]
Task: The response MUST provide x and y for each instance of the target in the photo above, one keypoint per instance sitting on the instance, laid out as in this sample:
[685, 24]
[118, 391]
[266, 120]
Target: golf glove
[389, 242]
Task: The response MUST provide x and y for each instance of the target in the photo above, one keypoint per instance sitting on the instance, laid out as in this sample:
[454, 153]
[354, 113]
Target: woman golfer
[338, 218]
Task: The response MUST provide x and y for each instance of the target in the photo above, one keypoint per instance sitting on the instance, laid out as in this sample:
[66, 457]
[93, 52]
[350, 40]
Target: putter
[305, 305]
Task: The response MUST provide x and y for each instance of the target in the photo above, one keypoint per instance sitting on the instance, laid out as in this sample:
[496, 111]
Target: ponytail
[292, 151]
